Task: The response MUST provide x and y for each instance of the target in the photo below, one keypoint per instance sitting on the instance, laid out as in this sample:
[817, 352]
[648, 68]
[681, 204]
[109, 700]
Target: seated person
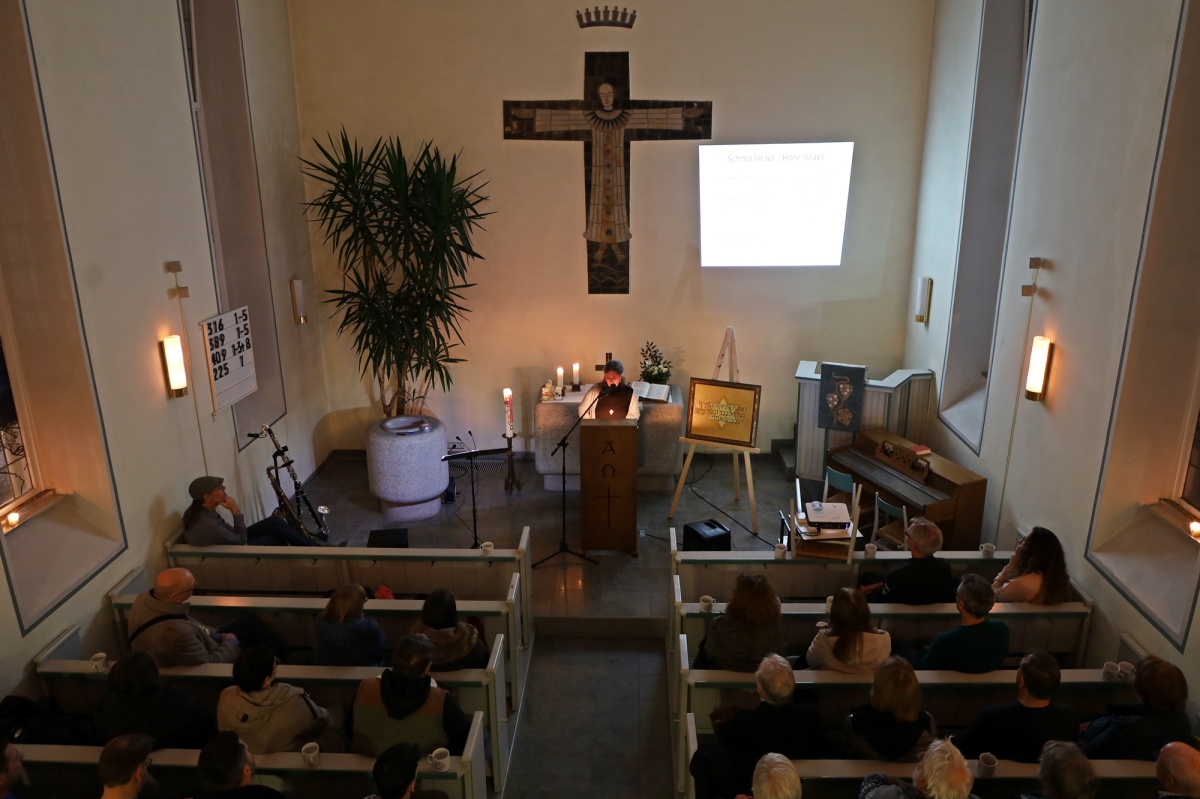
[1138, 731]
[395, 774]
[160, 624]
[978, 644]
[849, 643]
[344, 636]
[137, 702]
[775, 777]
[402, 705]
[268, 716]
[924, 579]
[1018, 730]
[1064, 773]
[1178, 771]
[204, 527]
[227, 770]
[11, 769]
[750, 627]
[611, 398]
[941, 773]
[893, 726]
[123, 765]
[1036, 572]
[776, 724]
[456, 644]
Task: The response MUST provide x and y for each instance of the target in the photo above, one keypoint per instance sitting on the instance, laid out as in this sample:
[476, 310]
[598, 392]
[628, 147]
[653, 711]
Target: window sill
[1156, 567]
[964, 415]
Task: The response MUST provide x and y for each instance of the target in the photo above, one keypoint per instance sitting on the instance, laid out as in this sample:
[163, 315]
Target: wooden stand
[608, 484]
[728, 345]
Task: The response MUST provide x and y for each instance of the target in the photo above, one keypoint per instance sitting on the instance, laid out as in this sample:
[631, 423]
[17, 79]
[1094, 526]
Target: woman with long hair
[1036, 572]
[893, 726]
[750, 628]
[456, 644]
[850, 643]
[345, 637]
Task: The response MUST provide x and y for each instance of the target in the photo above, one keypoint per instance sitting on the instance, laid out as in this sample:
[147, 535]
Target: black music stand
[563, 549]
[471, 455]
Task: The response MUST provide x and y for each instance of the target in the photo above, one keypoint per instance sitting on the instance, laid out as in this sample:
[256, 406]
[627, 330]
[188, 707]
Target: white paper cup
[440, 759]
[706, 603]
[312, 753]
[986, 766]
[988, 550]
[1110, 671]
[869, 551]
[780, 551]
[1126, 669]
[100, 662]
[487, 548]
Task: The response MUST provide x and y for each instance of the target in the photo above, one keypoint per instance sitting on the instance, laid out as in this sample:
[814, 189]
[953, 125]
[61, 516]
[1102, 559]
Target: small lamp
[1039, 367]
[299, 306]
[924, 290]
[174, 370]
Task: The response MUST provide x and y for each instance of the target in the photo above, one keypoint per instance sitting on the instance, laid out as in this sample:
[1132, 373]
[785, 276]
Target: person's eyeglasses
[147, 762]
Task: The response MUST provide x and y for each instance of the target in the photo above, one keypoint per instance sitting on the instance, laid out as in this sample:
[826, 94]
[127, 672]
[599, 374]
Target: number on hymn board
[230, 356]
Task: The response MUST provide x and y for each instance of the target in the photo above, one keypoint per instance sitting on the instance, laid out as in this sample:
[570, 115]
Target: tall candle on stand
[575, 374]
[560, 377]
[508, 417]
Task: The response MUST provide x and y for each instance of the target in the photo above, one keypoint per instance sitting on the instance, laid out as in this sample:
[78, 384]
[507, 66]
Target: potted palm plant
[402, 232]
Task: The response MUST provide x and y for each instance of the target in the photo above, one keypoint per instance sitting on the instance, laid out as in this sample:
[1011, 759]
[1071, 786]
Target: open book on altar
[655, 392]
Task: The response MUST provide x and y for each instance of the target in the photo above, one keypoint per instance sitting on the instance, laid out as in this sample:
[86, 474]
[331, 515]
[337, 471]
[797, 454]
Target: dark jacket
[171, 717]
[1017, 732]
[875, 735]
[456, 647]
[354, 642]
[391, 709]
[921, 581]
[1133, 732]
[972, 649]
[738, 647]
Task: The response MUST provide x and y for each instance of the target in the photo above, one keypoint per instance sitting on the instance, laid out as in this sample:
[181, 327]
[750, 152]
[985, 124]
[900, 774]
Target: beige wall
[1095, 101]
[119, 123]
[784, 71]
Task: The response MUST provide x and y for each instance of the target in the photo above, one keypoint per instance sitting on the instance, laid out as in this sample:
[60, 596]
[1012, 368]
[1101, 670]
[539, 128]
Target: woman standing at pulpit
[611, 398]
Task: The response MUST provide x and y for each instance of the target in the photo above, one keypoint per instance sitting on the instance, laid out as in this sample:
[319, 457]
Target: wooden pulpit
[608, 484]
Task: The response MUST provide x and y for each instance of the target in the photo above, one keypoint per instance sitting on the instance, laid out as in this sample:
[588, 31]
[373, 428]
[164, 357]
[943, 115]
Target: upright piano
[924, 482]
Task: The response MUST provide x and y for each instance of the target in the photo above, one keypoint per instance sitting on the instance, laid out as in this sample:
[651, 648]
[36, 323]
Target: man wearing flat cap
[204, 527]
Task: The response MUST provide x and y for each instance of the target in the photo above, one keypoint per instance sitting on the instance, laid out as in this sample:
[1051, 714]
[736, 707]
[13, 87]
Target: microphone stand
[470, 455]
[563, 549]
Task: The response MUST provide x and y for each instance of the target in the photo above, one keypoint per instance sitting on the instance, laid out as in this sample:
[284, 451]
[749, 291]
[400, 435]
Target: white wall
[781, 71]
[1096, 96]
[119, 122]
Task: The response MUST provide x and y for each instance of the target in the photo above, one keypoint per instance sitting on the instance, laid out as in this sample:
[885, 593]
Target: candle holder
[575, 387]
[510, 480]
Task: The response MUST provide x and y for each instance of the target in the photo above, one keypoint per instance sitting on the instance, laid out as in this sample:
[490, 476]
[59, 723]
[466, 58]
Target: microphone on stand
[472, 435]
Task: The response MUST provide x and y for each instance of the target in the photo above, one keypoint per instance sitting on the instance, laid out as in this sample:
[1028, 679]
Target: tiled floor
[595, 720]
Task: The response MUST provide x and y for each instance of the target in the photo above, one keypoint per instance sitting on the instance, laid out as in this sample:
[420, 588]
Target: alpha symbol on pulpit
[608, 446]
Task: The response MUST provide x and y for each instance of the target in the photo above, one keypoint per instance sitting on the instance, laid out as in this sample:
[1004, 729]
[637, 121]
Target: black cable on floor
[692, 486]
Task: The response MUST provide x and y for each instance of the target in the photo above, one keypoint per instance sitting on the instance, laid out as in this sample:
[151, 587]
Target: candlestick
[508, 413]
[574, 374]
[560, 375]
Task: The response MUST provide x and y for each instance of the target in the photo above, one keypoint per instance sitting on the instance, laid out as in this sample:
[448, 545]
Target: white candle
[574, 374]
[508, 414]
[13, 518]
[560, 373]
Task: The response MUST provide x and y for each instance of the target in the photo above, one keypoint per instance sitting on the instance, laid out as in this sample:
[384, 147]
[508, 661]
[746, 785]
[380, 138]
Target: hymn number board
[230, 357]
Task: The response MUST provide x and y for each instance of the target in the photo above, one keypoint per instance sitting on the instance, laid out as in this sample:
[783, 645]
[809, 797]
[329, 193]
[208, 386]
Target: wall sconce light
[924, 290]
[1039, 368]
[299, 307]
[174, 369]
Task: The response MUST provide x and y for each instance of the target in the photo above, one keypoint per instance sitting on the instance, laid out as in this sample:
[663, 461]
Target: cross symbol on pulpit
[609, 496]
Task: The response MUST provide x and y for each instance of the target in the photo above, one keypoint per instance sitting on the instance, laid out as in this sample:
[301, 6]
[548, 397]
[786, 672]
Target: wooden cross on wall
[600, 366]
[606, 121]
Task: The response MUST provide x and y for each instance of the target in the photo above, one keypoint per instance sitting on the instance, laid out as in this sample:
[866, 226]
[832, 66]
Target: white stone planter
[405, 467]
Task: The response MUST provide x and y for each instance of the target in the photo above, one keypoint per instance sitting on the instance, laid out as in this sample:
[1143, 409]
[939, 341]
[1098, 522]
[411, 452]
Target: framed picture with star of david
[724, 413]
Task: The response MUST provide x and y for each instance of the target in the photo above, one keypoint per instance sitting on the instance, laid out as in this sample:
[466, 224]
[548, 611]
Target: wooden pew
[77, 688]
[713, 573]
[827, 779]
[70, 771]
[319, 570]
[1060, 629]
[291, 619]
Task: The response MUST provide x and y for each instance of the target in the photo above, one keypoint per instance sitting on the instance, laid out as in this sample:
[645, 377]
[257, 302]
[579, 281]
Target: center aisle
[595, 722]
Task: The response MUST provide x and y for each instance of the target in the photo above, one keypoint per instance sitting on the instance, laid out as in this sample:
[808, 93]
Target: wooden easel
[728, 345]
